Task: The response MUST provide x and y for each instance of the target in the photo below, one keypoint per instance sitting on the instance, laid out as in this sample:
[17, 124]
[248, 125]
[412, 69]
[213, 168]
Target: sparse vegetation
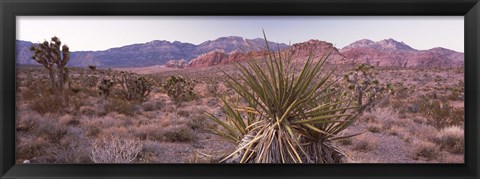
[269, 110]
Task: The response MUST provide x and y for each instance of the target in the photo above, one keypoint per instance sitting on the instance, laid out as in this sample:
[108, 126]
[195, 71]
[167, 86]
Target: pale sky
[103, 32]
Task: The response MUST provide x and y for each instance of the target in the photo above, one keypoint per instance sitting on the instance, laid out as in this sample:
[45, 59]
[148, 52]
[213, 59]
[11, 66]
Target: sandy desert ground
[422, 122]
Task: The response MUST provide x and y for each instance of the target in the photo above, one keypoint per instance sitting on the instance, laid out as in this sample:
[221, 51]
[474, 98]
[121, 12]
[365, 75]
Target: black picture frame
[9, 9]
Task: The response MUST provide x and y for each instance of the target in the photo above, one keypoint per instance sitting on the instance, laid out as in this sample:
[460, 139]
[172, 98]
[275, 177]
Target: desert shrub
[134, 87]
[425, 131]
[120, 106]
[51, 129]
[46, 104]
[69, 120]
[183, 113]
[401, 92]
[169, 108]
[30, 147]
[153, 105]
[30, 93]
[115, 150]
[440, 113]
[76, 102]
[150, 132]
[72, 149]
[150, 152]
[179, 89]
[212, 102]
[364, 143]
[88, 110]
[212, 89]
[198, 157]
[179, 133]
[425, 149]
[394, 130]
[283, 111]
[27, 121]
[387, 116]
[92, 131]
[374, 127]
[452, 139]
[200, 122]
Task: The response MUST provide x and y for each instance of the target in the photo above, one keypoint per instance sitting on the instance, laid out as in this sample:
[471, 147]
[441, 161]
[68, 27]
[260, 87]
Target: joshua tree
[179, 89]
[366, 88]
[134, 87]
[287, 117]
[54, 60]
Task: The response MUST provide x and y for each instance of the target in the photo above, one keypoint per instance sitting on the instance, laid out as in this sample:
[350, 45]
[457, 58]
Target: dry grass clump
[452, 139]
[88, 110]
[30, 93]
[153, 105]
[150, 132]
[424, 131]
[50, 129]
[121, 106]
[200, 122]
[169, 108]
[46, 104]
[150, 152]
[50, 139]
[439, 112]
[395, 130]
[425, 150]
[27, 121]
[178, 133]
[115, 150]
[108, 121]
[374, 127]
[364, 143]
[69, 120]
[448, 158]
[387, 116]
[29, 147]
[183, 113]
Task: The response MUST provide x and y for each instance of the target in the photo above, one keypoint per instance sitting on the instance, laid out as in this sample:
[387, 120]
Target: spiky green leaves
[285, 112]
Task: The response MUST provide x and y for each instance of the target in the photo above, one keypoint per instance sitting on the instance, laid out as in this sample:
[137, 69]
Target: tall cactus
[54, 57]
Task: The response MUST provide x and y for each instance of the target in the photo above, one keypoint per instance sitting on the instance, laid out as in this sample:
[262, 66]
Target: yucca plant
[281, 115]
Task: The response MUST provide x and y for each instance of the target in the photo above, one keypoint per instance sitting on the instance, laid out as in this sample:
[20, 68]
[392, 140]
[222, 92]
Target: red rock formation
[209, 59]
[176, 63]
[301, 51]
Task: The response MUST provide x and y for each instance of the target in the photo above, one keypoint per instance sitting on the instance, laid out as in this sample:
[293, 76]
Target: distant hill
[152, 53]
[390, 52]
[225, 50]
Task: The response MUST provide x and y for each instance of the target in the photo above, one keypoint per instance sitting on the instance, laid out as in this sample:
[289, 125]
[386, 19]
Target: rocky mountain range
[225, 50]
[152, 53]
[389, 52]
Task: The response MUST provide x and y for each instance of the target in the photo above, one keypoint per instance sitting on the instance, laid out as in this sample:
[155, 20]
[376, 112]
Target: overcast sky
[101, 33]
